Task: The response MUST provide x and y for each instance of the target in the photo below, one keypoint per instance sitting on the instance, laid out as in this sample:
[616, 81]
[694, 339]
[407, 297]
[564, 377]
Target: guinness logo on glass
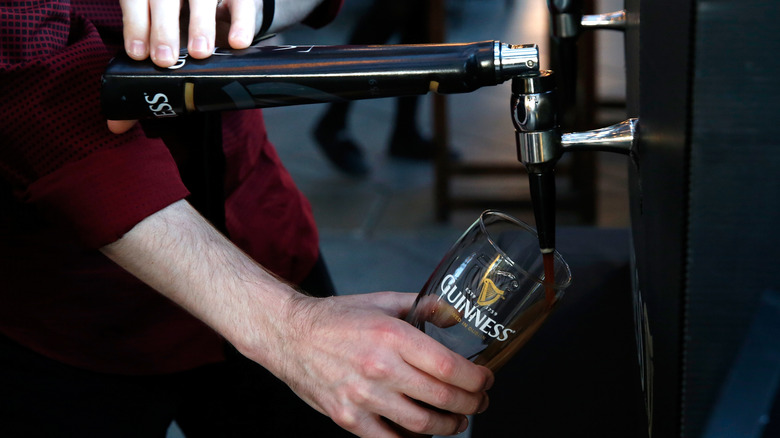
[490, 293]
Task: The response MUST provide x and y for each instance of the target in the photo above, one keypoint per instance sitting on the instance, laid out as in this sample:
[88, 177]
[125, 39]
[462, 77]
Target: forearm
[179, 254]
[349, 357]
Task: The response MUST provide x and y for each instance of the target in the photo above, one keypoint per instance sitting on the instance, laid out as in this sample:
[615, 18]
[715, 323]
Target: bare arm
[182, 256]
[348, 357]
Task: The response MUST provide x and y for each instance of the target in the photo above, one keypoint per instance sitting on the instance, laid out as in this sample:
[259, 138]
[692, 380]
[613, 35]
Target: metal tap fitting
[535, 117]
[568, 21]
[540, 144]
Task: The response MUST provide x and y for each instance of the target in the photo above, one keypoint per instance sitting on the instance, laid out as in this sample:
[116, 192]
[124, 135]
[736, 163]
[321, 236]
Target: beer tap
[567, 19]
[290, 75]
[541, 104]
[272, 76]
[567, 23]
[540, 144]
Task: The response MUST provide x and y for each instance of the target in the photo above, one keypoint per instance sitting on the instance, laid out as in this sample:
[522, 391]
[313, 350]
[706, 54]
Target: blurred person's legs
[385, 18]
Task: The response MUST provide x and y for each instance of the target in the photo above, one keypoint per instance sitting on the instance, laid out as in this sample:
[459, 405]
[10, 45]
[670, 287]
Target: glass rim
[513, 220]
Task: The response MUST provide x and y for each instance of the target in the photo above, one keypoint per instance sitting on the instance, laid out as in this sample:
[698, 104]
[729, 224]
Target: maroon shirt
[68, 186]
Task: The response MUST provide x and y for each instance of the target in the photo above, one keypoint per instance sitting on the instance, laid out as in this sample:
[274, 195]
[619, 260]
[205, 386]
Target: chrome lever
[618, 138]
[570, 24]
[540, 144]
[610, 20]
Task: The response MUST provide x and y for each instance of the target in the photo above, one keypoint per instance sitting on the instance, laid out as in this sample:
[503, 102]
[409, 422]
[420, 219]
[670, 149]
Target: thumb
[120, 126]
[395, 304]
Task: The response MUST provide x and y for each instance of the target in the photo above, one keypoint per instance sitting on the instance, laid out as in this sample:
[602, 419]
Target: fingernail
[137, 49]
[164, 54]
[200, 44]
[464, 424]
[238, 38]
[484, 405]
[489, 382]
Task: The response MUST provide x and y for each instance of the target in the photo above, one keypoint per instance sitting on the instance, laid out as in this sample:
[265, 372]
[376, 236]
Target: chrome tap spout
[618, 138]
[609, 20]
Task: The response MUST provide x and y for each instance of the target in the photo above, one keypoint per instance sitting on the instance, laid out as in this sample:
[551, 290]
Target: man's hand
[349, 357]
[352, 358]
[155, 28]
[152, 27]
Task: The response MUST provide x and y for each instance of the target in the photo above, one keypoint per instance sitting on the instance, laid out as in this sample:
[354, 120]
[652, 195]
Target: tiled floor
[380, 233]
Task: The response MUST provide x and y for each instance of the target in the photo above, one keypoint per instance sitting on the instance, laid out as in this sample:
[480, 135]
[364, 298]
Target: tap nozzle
[538, 135]
[540, 144]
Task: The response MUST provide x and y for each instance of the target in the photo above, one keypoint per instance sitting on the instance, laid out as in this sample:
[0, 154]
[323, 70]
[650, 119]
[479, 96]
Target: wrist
[262, 326]
[281, 334]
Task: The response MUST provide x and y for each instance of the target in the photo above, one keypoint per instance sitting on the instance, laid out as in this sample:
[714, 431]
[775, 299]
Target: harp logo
[470, 313]
[490, 293]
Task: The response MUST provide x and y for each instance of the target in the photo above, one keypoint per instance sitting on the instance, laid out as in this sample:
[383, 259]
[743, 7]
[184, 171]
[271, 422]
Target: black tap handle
[269, 76]
[542, 186]
[534, 114]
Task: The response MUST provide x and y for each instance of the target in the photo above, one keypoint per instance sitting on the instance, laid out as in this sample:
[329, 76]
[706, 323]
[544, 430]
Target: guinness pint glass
[489, 294]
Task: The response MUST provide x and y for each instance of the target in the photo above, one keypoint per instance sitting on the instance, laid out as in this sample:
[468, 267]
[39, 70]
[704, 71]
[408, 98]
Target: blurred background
[383, 232]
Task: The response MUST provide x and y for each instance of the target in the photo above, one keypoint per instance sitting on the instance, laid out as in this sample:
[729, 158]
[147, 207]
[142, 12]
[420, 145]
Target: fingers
[446, 366]
[243, 16]
[436, 311]
[120, 126]
[422, 398]
[376, 411]
[395, 304]
[364, 365]
[135, 23]
[435, 375]
[419, 419]
[151, 28]
[202, 29]
[446, 397]
[164, 32]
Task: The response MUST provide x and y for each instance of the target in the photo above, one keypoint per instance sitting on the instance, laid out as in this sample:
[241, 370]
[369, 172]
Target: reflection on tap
[617, 138]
